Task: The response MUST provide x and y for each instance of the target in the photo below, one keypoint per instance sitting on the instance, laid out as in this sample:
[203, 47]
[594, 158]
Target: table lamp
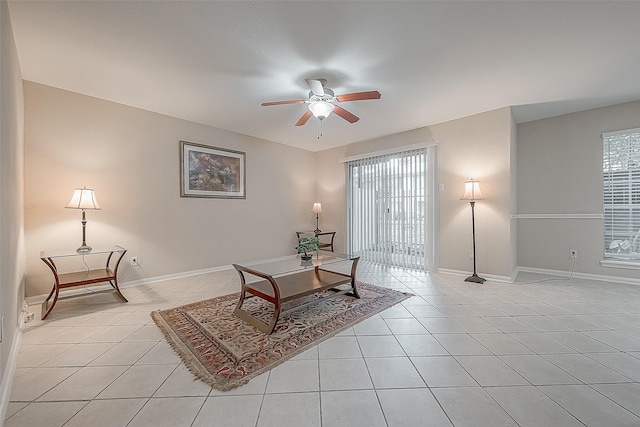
[472, 193]
[317, 209]
[83, 198]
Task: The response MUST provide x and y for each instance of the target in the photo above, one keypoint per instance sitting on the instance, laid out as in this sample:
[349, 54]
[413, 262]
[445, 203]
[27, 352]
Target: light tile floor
[540, 353]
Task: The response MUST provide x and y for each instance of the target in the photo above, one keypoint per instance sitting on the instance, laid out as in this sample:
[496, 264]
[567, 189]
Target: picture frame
[215, 172]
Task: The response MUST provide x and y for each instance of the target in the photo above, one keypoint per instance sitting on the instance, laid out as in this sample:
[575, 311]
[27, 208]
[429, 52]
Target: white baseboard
[491, 277]
[10, 369]
[39, 299]
[180, 275]
[566, 274]
[547, 272]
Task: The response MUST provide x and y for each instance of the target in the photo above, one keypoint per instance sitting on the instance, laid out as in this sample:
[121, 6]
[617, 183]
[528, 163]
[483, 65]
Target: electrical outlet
[470, 253]
[134, 261]
[573, 253]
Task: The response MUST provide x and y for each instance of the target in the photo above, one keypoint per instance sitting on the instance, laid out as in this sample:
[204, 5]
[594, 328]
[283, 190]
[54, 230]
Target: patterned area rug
[226, 352]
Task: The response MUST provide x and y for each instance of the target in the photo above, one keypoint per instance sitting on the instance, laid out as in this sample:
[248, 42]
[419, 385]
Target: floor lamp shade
[472, 193]
[83, 198]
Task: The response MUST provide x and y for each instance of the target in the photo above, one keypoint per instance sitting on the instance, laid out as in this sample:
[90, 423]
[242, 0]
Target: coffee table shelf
[290, 279]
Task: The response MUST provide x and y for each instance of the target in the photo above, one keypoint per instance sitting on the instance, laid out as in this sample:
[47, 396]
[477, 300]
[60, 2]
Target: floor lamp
[472, 193]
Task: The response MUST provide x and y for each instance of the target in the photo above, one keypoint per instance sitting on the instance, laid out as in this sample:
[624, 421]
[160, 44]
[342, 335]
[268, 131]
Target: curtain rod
[388, 151]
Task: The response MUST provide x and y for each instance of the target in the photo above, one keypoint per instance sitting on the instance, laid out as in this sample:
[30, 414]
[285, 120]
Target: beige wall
[11, 194]
[476, 147]
[131, 158]
[560, 172]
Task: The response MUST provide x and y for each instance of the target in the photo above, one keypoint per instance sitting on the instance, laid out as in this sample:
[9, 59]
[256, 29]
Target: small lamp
[317, 209]
[83, 198]
[472, 193]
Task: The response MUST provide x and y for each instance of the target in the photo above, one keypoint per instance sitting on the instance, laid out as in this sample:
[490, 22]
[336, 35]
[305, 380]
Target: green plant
[307, 244]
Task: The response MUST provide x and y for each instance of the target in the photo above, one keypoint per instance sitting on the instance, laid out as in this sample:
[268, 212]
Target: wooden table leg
[354, 266]
[114, 283]
[46, 308]
[267, 328]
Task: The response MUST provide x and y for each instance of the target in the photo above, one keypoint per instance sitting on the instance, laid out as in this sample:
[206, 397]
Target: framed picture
[211, 171]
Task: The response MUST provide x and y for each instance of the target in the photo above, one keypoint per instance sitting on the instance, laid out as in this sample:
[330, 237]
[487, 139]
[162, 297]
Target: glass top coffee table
[284, 280]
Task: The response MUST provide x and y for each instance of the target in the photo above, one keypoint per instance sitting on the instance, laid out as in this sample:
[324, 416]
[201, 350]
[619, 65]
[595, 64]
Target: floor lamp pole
[474, 277]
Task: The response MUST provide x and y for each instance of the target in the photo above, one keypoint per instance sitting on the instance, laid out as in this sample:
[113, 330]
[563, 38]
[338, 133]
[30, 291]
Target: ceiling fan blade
[359, 96]
[304, 119]
[315, 86]
[350, 117]
[295, 101]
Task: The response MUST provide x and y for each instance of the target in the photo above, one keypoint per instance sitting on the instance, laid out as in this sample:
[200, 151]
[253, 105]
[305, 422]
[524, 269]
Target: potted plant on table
[306, 245]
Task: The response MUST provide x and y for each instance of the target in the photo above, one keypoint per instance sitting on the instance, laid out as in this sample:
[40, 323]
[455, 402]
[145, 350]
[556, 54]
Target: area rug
[225, 352]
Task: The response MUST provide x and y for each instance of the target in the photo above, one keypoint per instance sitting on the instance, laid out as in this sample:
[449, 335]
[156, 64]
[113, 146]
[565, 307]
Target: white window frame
[621, 195]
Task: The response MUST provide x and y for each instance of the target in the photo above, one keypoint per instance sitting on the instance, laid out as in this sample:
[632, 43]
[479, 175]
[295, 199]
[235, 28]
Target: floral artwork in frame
[211, 171]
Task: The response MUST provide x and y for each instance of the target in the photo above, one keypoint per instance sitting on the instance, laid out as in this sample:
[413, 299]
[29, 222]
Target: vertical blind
[387, 208]
[621, 171]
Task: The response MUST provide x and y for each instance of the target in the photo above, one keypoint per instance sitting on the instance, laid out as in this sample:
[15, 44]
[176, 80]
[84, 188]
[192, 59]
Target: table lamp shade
[83, 198]
[472, 191]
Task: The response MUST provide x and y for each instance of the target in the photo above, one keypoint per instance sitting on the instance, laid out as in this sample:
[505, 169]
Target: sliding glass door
[387, 212]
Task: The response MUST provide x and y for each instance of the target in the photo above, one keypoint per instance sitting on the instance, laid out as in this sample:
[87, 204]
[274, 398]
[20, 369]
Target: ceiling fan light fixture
[321, 102]
[321, 109]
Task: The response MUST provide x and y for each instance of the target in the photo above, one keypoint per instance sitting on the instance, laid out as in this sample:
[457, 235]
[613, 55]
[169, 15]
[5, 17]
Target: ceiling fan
[322, 102]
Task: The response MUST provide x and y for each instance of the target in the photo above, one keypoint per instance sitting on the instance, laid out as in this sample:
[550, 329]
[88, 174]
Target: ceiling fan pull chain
[320, 130]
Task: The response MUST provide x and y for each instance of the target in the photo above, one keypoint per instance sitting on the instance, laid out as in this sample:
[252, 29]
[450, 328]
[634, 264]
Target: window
[387, 208]
[621, 172]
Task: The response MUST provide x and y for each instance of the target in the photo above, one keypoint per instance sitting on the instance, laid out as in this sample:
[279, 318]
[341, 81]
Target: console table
[81, 278]
[293, 278]
[322, 244]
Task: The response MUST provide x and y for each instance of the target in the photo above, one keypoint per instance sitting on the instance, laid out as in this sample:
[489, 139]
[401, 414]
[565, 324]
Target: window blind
[387, 208]
[621, 172]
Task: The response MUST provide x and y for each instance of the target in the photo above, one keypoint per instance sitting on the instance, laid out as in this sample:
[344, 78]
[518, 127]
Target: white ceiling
[216, 62]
